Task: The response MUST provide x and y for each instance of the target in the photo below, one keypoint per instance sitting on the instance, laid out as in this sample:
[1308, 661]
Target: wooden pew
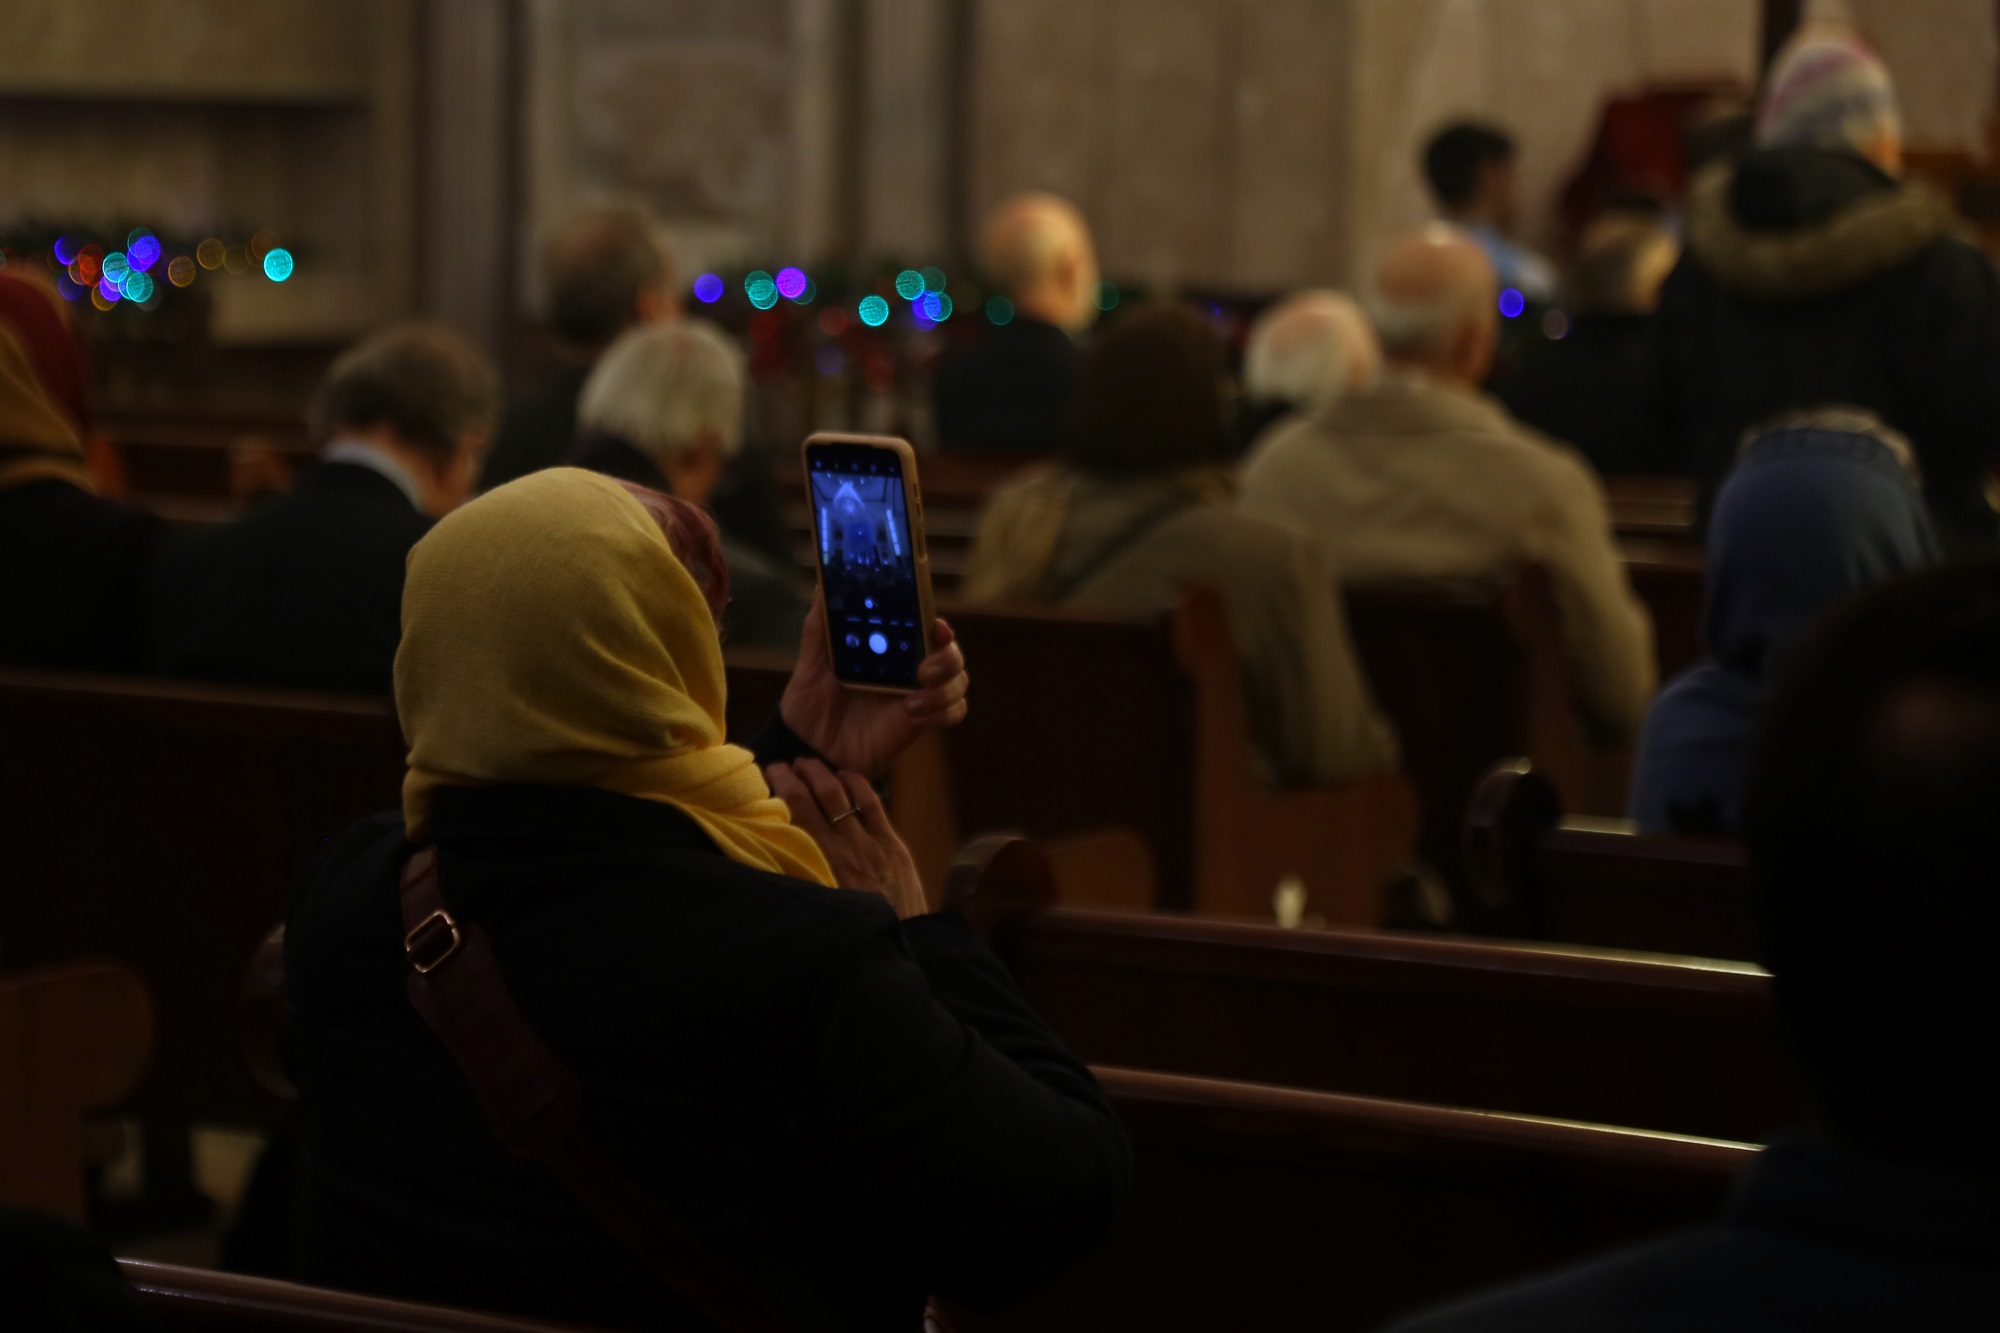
[1652, 508]
[1589, 882]
[1472, 673]
[197, 1300]
[1273, 1208]
[1667, 1044]
[74, 1040]
[1670, 578]
[1084, 721]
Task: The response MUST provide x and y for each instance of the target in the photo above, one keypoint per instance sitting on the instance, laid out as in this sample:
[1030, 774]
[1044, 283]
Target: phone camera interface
[868, 569]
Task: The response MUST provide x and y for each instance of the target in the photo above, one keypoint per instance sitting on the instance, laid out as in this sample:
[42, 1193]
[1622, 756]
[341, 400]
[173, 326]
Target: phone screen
[867, 567]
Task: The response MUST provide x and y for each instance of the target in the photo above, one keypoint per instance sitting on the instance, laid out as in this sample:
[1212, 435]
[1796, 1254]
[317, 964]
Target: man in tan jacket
[1424, 477]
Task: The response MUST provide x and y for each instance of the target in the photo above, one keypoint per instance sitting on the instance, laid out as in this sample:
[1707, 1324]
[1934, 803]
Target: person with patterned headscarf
[72, 564]
[1814, 275]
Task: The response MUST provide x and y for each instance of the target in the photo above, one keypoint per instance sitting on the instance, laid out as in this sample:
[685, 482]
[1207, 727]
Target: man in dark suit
[606, 272]
[1009, 392]
[306, 592]
[1872, 835]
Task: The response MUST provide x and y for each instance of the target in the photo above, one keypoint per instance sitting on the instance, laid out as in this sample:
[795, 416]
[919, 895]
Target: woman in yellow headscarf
[72, 565]
[851, 1111]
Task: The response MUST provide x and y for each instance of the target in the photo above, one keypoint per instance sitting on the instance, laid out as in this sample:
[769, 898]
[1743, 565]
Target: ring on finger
[848, 813]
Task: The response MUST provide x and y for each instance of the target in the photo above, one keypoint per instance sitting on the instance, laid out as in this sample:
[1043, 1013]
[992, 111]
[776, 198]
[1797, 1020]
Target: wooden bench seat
[1596, 883]
[1680, 1045]
[1273, 1208]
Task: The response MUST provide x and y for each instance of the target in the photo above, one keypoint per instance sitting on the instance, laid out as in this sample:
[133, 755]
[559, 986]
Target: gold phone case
[920, 555]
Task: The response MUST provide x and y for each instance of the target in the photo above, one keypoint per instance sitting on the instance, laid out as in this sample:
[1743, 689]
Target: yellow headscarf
[30, 421]
[551, 636]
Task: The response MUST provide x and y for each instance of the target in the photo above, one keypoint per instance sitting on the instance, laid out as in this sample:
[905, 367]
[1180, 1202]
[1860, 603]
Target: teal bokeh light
[278, 264]
[874, 311]
[999, 310]
[909, 284]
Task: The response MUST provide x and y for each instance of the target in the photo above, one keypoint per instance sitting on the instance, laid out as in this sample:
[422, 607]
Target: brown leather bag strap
[533, 1101]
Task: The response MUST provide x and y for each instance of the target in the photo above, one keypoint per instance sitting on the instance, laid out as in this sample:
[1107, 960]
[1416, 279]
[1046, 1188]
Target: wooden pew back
[74, 1040]
[1667, 1044]
[197, 1300]
[1583, 883]
[1259, 1207]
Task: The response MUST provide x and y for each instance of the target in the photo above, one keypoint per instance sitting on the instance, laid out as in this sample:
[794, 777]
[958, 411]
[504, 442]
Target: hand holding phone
[874, 566]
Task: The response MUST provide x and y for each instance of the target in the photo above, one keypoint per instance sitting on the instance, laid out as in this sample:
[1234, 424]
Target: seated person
[839, 1094]
[1303, 353]
[1819, 507]
[1008, 392]
[57, 1278]
[1815, 274]
[1871, 834]
[1424, 477]
[305, 592]
[664, 408]
[1138, 509]
[72, 565]
[606, 271]
[1469, 167]
[1593, 386]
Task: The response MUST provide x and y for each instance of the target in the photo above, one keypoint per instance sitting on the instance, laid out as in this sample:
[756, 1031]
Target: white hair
[664, 387]
[1308, 349]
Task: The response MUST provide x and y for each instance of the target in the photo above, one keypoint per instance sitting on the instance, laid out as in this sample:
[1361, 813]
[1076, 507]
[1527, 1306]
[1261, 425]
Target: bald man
[1422, 476]
[1009, 392]
[1303, 353]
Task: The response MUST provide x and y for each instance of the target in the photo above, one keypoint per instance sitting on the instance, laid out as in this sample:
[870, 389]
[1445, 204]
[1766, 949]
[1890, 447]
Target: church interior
[989, 665]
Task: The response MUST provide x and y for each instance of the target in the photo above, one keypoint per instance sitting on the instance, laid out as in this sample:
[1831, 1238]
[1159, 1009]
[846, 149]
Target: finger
[941, 665]
[873, 816]
[787, 787]
[942, 634]
[927, 704]
[825, 788]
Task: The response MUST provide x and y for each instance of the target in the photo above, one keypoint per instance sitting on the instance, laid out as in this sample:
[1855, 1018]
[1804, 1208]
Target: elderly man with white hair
[1303, 353]
[664, 408]
[1011, 391]
[1814, 276]
[1422, 476]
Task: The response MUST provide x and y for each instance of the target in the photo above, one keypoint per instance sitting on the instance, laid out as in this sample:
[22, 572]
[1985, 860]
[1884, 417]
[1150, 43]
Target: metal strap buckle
[414, 941]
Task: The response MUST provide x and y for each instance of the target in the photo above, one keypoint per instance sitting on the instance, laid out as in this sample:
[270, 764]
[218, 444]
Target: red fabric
[34, 314]
[694, 540]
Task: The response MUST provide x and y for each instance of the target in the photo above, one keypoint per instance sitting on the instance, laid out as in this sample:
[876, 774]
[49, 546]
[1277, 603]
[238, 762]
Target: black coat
[73, 579]
[536, 431]
[1589, 390]
[305, 592]
[766, 608]
[1816, 1239]
[55, 1278]
[851, 1111]
[1009, 392]
[1812, 279]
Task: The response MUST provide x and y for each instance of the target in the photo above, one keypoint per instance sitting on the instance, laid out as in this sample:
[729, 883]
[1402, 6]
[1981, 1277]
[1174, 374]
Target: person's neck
[419, 471]
[1045, 308]
[1443, 377]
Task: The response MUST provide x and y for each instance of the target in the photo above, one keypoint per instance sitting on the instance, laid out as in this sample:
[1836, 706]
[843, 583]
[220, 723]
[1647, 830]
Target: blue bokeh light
[108, 289]
[708, 289]
[935, 306]
[874, 311]
[66, 251]
[1000, 310]
[791, 283]
[67, 287]
[278, 264]
[909, 284]
[143, 252]
[830, 359]
[1512, 303]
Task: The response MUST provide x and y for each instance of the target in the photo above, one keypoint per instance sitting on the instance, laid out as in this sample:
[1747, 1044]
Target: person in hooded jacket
[1819, 507]
[1813, 275]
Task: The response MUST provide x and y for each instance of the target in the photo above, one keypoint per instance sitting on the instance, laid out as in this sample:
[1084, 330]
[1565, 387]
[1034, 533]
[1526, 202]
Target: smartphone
[874, 569]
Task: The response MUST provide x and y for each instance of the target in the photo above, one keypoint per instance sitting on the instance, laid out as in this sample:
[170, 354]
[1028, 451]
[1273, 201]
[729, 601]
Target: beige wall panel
[1160, 204]
[1286, 222]
[307, 49]
[1942, 54]
[1036, 84]
[1699, 39]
